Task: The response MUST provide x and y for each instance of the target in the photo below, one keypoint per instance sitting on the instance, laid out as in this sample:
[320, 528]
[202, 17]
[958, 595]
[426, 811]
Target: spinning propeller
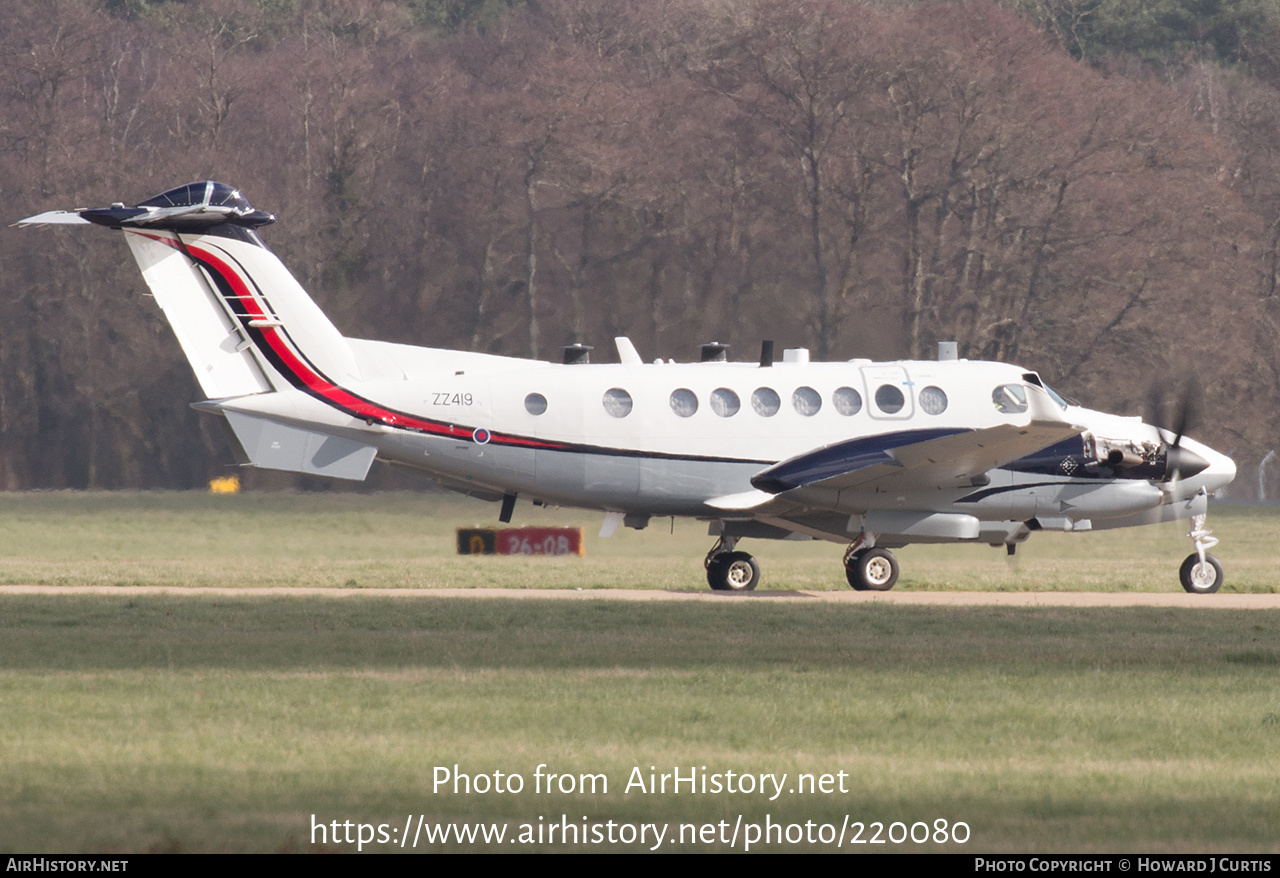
[1179, 407]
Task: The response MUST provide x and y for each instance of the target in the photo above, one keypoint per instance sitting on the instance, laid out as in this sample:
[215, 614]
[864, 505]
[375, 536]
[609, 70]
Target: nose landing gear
[1201, 573]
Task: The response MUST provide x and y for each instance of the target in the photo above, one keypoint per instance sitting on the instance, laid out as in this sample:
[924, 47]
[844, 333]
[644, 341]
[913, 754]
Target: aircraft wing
[911, 460]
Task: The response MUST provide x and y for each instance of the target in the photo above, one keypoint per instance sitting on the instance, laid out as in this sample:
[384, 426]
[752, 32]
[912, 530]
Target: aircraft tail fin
[245, 324]
[216, 349]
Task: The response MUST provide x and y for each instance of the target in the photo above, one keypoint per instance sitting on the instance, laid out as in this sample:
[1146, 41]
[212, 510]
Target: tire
[872, 570]
[1200, 578]
[733, 571]
[715, 573]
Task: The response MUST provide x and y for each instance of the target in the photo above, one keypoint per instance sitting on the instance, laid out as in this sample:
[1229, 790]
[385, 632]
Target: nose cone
[1217, 471]
[1183, 463]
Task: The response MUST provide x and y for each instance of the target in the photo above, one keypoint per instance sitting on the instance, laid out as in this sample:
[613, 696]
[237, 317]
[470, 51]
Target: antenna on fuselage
[577, 354]
[627, 353]
[715, 352]
[766, 353]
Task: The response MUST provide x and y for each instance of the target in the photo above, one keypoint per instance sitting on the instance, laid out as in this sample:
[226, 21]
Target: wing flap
[747, 500]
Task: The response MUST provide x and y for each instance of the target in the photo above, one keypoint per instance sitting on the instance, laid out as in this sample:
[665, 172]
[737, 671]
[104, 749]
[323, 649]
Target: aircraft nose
[1183, 463]
[1217, 471]
[1222, 471]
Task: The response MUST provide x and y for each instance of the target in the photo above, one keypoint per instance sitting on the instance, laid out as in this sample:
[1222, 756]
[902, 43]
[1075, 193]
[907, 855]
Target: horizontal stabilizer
[272, 445]
[53, 218]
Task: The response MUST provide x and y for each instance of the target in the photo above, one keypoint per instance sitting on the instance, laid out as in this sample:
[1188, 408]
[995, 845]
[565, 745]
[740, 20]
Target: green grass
[407, 541]
[206, 723]
[201, 722]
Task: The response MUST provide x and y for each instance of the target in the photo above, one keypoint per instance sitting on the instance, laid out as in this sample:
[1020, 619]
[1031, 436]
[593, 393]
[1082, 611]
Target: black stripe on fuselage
[444, 429]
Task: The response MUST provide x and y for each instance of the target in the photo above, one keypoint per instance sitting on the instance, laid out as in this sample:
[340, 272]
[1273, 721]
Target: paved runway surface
[918, 598]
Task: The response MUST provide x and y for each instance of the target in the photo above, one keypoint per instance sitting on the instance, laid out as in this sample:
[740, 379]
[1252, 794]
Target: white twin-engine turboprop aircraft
[875, 455]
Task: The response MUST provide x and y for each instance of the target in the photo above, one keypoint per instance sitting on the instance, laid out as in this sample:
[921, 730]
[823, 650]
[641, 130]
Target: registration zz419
[453, 399]
[941, 832]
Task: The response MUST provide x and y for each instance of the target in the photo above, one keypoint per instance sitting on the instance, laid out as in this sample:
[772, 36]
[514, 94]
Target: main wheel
[872, 570]
[733, 571]
[1200, 578]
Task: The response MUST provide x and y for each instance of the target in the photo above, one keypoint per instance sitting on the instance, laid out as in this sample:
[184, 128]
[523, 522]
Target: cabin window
[684, 402]
[847, 401]
[889, 399]
[724, 402]
[535, 404]
[933, 400]
[1009, 399]
[806, 401]
[766, 402]
[617, 402]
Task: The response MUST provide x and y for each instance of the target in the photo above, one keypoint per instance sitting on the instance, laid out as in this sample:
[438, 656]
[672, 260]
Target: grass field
[200, 722]
[406, 540]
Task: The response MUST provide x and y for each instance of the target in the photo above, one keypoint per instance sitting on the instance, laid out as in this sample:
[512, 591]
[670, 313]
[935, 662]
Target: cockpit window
[1055, 396]
[220, 195]
[224, 196]
[182, 196]
[1033, 378]
[1010, 399]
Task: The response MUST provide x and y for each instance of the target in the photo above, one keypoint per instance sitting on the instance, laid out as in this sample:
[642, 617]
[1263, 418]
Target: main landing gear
[868, 568]
[728, 570]
[1201, 573]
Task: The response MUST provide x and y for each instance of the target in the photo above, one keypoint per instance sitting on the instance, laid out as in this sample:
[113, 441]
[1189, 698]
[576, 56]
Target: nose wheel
[1201, 573]
[1201, 577]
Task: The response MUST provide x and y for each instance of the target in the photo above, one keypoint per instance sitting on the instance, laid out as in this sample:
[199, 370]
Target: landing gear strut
[868, 568]
[1201, 573]
[728, 570]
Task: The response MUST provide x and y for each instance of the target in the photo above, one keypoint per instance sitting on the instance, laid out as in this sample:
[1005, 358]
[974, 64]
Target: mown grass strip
[406, 540]
[209, 723]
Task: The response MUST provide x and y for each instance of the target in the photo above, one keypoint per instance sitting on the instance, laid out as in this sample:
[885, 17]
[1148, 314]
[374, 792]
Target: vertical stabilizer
[292, 340]
[217, 351]
[244, 323]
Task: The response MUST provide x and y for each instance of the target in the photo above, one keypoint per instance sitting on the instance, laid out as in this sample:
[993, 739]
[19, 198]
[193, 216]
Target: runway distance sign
[521, 541]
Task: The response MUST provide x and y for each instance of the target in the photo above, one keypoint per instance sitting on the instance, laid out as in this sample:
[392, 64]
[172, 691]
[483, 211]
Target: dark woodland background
[1089, 188]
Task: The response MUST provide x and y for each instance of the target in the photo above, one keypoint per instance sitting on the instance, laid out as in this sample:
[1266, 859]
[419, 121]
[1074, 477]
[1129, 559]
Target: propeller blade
[1176, 407]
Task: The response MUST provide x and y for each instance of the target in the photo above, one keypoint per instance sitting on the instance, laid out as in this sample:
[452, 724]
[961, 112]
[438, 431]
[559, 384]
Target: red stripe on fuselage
[310, 378]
